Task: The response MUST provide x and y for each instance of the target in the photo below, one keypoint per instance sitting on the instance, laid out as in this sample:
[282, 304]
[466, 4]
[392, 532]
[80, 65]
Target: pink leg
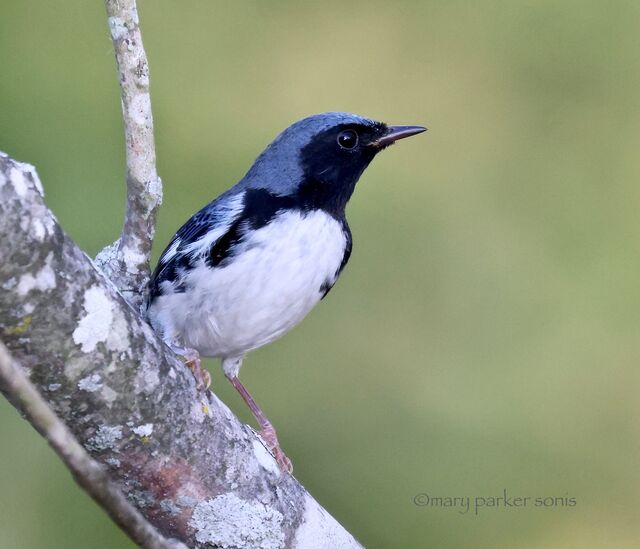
[267, 432]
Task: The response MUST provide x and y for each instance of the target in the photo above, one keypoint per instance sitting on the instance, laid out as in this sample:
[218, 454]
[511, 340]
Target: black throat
[315, 194]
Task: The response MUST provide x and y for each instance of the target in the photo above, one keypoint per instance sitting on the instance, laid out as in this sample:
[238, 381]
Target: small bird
[252, 263]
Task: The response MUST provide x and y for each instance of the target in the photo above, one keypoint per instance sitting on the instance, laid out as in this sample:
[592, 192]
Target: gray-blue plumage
[274, 168]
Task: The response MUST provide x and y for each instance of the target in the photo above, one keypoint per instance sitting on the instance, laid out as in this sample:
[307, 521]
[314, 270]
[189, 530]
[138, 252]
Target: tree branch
[126, 261]
[88, 473]
[180, 456]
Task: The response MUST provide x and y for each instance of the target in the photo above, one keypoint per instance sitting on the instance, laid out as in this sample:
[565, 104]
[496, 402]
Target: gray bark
[126, 261]
[186, 462]
[88, 473]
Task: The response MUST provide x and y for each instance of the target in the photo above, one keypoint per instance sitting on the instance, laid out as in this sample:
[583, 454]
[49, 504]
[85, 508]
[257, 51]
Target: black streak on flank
[260, 207]
[328, 284]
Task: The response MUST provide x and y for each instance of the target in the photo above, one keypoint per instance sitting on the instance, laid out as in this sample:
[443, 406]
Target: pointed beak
[394, 133]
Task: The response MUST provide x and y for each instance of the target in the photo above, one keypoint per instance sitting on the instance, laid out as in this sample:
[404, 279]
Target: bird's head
[320, 158]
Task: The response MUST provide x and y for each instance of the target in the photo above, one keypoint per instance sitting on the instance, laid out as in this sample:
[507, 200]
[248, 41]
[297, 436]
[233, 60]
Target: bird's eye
[348, 139]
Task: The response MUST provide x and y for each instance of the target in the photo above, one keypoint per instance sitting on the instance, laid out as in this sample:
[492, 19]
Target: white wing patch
[170, 252]
[230, 211]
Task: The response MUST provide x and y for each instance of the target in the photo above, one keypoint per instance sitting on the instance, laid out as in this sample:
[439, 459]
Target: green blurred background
[485, 333]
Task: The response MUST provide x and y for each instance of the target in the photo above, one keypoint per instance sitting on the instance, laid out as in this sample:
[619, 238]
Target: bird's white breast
[273, 280]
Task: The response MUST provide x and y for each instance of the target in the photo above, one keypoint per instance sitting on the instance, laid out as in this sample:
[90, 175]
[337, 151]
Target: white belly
[270, 285]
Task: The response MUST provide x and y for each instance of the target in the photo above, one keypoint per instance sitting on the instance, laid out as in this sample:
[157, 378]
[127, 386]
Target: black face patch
[331, 170]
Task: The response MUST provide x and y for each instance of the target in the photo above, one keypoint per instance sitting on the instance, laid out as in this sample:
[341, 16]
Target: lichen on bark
[106, 374]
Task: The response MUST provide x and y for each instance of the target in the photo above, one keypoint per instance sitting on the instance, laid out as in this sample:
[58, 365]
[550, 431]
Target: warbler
[253, 262]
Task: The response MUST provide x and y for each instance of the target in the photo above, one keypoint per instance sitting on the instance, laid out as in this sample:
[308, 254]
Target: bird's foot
[268, 434]
[192, 361]
[203, 377]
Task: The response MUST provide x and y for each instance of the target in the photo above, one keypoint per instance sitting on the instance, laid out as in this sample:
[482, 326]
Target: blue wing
[198, 234]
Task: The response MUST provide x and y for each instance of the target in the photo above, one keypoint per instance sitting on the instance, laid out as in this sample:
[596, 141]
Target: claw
[268, 434]
[203, 377]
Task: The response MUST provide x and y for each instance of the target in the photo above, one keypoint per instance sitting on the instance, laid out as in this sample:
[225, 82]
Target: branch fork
[170, 464]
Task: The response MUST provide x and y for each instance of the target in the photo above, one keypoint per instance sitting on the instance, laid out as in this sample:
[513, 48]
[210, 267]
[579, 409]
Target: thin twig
[88, 473]
[127, 261]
